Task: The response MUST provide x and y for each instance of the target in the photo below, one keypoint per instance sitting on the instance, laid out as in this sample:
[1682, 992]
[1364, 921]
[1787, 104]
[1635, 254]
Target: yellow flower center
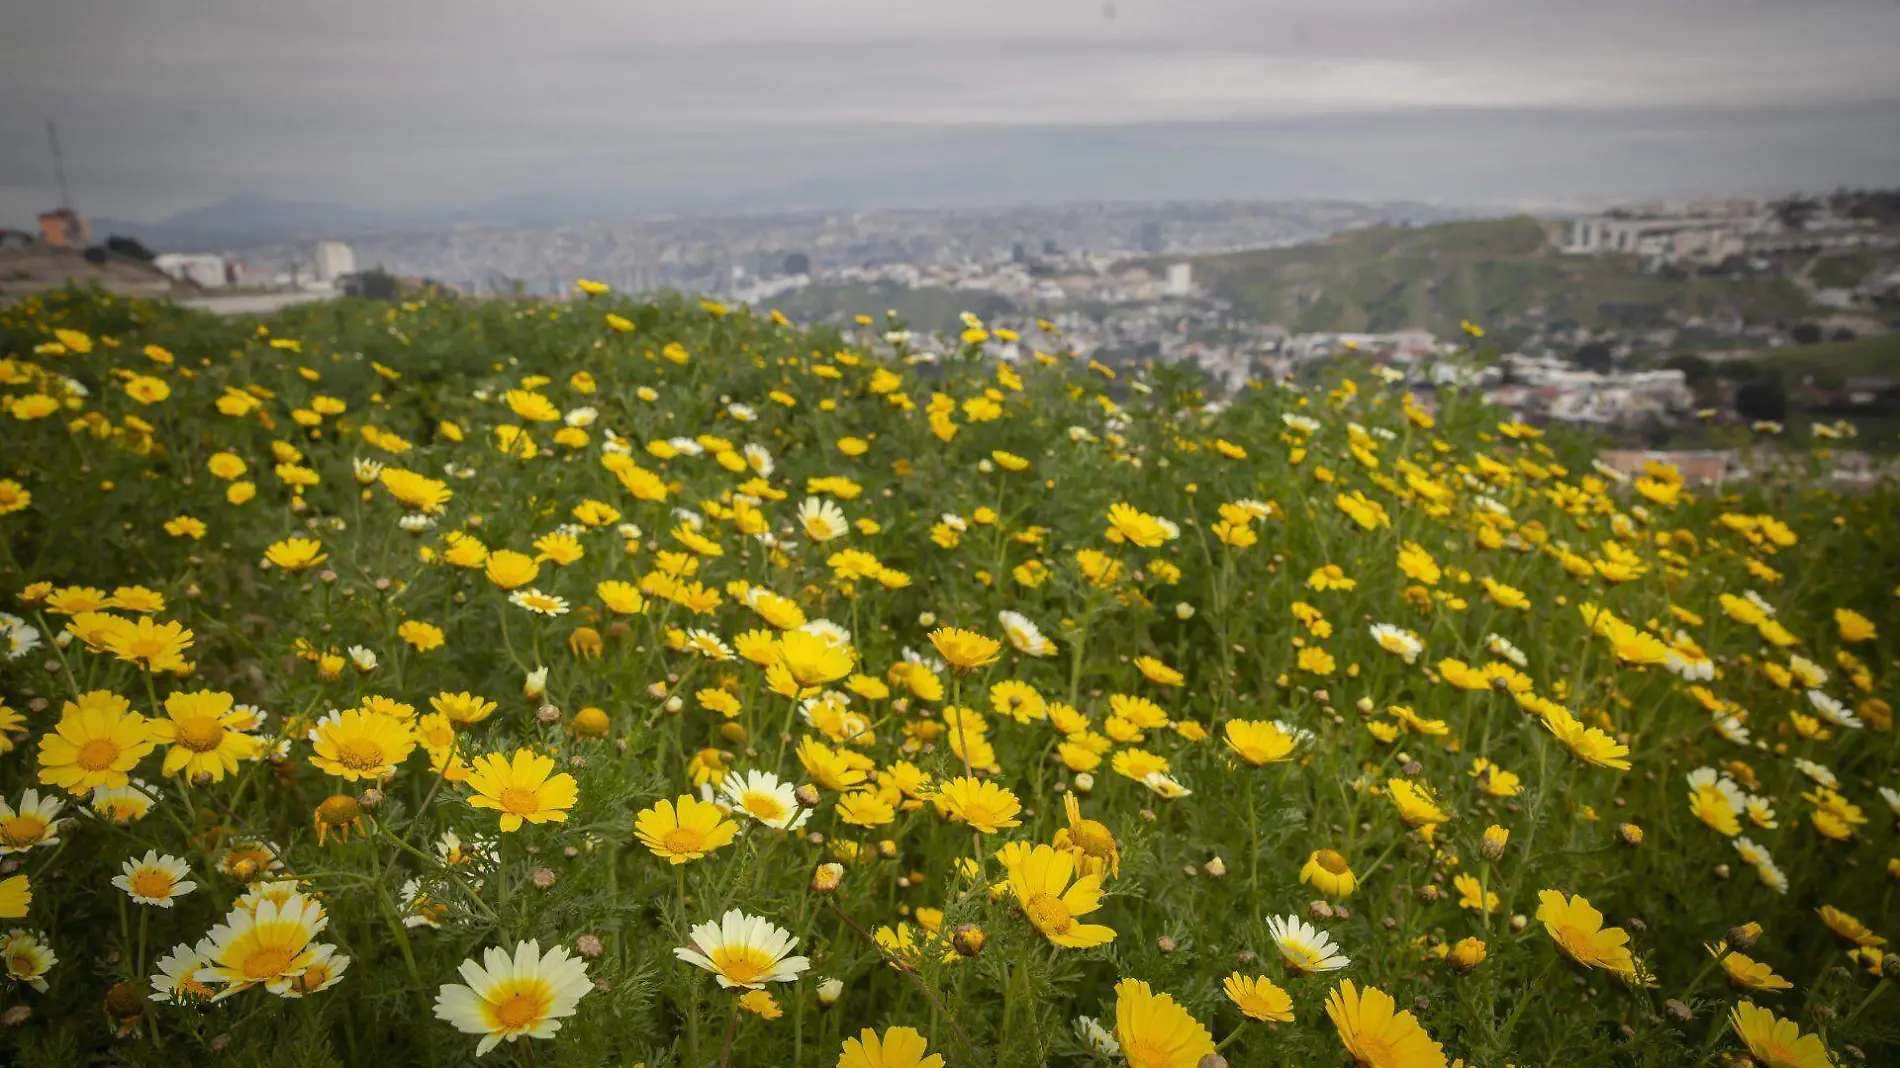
[200, 734]
[152, 883]
[360, 754]
[1145, 1052]
[1093, 837]
[1049, 913]
[1331, 861]
[764, 807]
[265, 963]
[1299, 957]
[23, 830]
[338, 810]
[519, 801]
[521, 1009]
[1372, 1049]
[977, 814]
[685, 840]
[98, 754]
[742, 965]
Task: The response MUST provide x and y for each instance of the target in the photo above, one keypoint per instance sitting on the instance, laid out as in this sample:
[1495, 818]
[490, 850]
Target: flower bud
[1495, 838]
[124, 1003]
[1466, 954]
[968, 939]
[547, 715]
[807, 796]
[589, 722]
[827, 878]
[1215, 868]
[1084, 782]
[1744, 935]
[371, 799]
[588, 945]
[829, 991]
[1630, 834]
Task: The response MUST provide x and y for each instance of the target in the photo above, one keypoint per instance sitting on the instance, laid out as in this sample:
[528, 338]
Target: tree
[130, 248]
[1805, 333]
[1764, 398]
[1695, 370]
[1594, 356]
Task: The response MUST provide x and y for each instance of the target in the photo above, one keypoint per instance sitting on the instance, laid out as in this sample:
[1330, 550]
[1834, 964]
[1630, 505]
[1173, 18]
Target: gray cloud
[165, 104]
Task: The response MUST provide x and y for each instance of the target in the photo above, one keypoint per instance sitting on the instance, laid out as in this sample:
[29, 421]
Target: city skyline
[588, 109]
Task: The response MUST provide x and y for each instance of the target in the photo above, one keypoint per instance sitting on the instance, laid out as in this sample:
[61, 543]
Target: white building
[1180, 279]
[333, 260]
[202, 269]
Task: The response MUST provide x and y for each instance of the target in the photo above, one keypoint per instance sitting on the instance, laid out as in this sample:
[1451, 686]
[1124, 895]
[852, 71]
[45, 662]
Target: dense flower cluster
[661, 683]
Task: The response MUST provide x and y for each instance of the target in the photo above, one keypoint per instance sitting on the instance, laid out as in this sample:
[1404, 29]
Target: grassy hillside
[925, 308]
[1862, 356]
[1494, 271]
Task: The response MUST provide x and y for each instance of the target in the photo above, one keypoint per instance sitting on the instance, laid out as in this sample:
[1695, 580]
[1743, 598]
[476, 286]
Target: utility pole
[59, 165]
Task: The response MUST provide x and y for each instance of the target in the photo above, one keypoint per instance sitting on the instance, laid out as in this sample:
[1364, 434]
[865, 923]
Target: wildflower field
[619, 682]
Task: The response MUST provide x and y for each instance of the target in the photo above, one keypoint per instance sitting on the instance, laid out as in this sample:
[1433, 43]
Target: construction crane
[59, 165]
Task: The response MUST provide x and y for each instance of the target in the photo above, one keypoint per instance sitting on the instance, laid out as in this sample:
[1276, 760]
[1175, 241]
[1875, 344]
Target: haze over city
[600, 109]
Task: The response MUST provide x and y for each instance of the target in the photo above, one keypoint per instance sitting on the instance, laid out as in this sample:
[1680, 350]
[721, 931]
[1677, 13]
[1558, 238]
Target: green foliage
[1495, 272]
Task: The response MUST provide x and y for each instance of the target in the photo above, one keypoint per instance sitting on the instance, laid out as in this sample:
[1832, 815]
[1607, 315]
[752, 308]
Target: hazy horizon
[636, 108]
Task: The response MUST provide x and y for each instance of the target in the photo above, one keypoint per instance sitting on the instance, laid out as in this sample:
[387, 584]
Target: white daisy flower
[743, 951]
[1307, 949]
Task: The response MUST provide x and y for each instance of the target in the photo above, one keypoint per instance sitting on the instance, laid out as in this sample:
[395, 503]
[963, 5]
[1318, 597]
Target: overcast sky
[410, 104]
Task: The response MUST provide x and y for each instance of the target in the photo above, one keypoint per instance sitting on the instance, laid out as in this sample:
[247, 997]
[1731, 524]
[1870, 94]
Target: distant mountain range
[242, 220]
[249, 221]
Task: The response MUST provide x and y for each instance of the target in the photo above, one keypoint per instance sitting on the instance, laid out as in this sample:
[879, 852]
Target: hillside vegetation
[615, 682]
[1497, 271]
[1835, 360]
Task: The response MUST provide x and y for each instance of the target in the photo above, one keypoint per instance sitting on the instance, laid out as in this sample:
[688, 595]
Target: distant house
[63, 228]
[201, 269]
[334, 260]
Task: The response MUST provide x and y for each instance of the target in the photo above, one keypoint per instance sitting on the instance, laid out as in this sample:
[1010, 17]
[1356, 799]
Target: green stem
[1879, 989]
[1231, 1036]
[732, 1030]
[1531, 993]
